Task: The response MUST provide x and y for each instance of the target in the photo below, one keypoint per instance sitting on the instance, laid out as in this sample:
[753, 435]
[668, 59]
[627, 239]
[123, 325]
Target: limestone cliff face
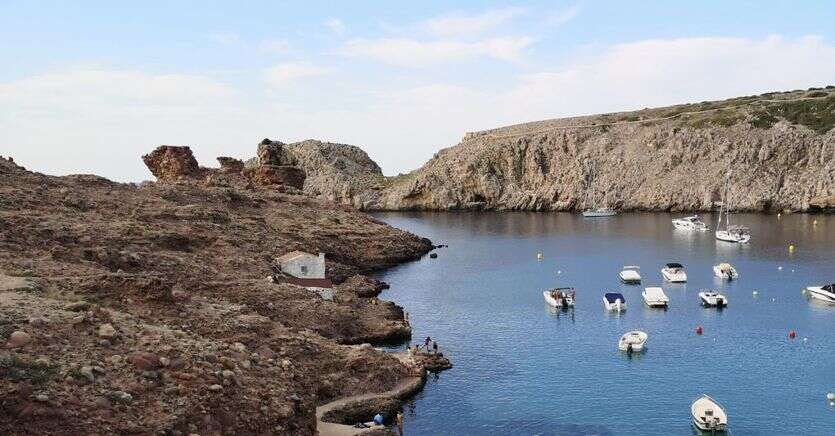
[779, 150]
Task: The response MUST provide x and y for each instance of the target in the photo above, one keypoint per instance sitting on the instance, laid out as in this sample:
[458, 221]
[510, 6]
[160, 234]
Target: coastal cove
[521, 367]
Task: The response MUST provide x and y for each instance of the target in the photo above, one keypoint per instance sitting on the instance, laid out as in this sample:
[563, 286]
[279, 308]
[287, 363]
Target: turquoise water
[522, 368]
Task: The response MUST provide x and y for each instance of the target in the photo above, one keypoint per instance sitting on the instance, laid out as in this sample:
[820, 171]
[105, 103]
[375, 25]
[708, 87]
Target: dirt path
[405, 388]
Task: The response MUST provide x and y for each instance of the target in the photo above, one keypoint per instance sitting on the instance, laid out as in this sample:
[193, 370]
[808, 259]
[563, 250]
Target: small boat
[655, 297]
[630, 274]
[674, 272]
[559, 297]
[825, 293]
[739, 234]
[633, 341]
[692, 223]
[614, 301]
[731, 233]
[708, 415]
[713, 299]
[725, 271]
[599, 212]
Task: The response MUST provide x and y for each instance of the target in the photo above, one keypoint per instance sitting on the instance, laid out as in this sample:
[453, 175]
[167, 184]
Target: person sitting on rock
[434, 347]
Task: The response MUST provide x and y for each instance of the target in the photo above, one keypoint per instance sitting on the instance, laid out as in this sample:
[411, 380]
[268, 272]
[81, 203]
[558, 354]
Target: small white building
[306, 270]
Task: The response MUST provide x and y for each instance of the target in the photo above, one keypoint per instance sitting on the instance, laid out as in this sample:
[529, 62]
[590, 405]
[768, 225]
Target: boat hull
[819, 294]
[722, 235]
[673, 277]
[713, 301]
[629, 279]
[598, 214]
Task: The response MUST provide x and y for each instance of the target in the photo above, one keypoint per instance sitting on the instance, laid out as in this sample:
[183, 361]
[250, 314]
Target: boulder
[171, 163]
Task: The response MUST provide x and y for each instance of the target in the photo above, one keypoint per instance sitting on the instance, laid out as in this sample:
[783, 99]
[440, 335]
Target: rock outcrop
[169, 163]
[778, 148]
[273, 166]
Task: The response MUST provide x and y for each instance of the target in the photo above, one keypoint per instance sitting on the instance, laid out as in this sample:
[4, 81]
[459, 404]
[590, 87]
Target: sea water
[522, 367]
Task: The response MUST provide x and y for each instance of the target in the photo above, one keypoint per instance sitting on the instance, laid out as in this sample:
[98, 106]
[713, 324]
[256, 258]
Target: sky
[89, 86]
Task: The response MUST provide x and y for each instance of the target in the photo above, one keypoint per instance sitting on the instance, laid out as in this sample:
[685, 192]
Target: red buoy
[792, 334]
[699, 330]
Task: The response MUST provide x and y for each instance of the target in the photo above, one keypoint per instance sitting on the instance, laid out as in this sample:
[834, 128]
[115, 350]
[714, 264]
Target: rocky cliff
[777, 148]
[145, 309]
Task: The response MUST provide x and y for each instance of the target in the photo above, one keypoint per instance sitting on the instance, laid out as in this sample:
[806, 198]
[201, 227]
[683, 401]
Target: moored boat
[692, 223]
[630, 274]
[825, 293]
[655, 297]
[713, 299]
[674, 272]
[559, 297]
[731, 233]
[725, 271]
[599, 212]
[708, 415]
[633, 341]
[614, 301]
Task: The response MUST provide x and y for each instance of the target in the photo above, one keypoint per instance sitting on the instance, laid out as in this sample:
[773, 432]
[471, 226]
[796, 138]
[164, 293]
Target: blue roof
[614, 296]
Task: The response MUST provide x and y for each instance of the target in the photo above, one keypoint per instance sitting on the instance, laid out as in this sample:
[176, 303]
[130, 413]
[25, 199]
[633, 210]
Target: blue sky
[90, 86]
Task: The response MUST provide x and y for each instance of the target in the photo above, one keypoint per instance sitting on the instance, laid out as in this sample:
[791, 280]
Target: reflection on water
[522, 367]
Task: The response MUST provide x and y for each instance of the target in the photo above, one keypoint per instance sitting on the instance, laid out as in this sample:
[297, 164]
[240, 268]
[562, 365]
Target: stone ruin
[273, 165]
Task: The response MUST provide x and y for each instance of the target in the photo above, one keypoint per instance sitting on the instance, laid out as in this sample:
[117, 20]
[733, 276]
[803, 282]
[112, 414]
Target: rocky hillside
[779, 147]
[145, 309]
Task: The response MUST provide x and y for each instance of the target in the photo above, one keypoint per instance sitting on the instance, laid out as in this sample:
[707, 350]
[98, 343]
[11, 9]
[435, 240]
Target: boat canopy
[828, 288]
[612, 297]
[724, 266]
[674, 265]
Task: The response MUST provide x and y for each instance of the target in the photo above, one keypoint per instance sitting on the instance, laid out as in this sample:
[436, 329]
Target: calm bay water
[522, 368]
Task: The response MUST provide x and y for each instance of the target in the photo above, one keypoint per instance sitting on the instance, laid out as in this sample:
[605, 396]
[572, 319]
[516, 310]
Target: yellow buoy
[815, 222]
[779, 215]
[791, 248]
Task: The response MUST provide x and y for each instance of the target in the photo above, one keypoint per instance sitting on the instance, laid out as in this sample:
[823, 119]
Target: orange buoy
[699, 330]
[792, 334]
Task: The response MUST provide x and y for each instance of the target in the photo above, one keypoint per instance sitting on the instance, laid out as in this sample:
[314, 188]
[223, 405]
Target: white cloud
[563, 16]
[275, 46]
[336, 26]
[282, 74]
[411, 52]
[670, 71]
[225, 38]
[457, 24]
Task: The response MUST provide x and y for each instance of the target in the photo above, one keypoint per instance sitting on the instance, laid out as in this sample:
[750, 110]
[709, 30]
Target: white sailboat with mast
[596, 211]
[731, 233]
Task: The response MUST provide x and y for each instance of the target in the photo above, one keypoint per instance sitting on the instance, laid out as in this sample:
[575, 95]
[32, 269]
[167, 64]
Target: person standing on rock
[399, 421]
[434, 347]
[427, 342]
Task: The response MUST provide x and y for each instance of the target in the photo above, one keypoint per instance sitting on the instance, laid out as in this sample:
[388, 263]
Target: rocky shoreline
[145, 309]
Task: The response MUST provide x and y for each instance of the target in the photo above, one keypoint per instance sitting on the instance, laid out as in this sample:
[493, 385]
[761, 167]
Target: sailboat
[597, 211]
[731, 233]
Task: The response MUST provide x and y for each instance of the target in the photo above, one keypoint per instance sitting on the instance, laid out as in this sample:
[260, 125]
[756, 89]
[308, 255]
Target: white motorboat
[614, 301]
[825, 293]
[599, 212]
[692, 223]
[731, 233]
[674, 272]
[713, 299]
[655, 297]
[708, 415]
[630, 274]
[559, 297]
[725, 271]
[633, 341]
